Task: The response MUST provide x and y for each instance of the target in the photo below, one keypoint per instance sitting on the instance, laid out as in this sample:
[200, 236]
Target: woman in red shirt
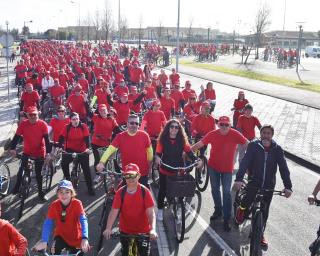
[238, 107]
[209, 95]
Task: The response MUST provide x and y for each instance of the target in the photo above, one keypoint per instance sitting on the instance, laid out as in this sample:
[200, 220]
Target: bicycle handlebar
[105, 171]
[44, 253]
[180, 168]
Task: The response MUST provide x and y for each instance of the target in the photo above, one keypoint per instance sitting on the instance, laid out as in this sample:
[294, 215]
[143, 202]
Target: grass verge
[254, 75]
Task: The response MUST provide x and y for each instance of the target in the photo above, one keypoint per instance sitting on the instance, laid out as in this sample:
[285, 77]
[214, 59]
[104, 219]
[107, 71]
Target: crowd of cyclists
[78, 98]
[284, 58]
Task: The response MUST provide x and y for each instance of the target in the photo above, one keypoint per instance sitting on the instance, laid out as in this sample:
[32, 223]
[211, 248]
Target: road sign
[4, 52]
[5, 42]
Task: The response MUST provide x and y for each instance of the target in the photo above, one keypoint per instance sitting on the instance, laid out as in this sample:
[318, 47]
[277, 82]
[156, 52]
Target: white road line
[205, 226]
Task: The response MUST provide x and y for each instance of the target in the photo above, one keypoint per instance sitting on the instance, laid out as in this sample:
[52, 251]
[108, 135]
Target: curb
[305, 163]
[247, 89]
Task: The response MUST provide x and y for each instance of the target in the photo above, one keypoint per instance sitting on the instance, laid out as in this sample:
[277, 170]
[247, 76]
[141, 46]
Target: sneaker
[97, 179]
[264, 242]
[216, 215]
[240, 215]
[226, 225]
[160, 215]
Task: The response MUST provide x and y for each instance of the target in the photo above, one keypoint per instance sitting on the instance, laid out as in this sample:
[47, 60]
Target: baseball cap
[133, 88]
[29, 85]
[205, 104]
[192, 96]
[78, 88]
[224, 120]
[32, 110]
[124, 94]
[102, 106]
[155, 102]
[65, 184]
[131, 168]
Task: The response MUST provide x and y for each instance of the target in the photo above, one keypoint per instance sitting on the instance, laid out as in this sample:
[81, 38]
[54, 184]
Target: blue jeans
[216, 178]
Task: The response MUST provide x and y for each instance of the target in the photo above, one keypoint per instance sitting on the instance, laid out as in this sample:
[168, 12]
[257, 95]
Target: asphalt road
[291, 227]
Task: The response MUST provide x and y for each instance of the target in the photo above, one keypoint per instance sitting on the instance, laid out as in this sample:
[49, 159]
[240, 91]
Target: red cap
[112, 110]
[167, 89]
[124, 94]
[192, 96]
[56, 79]
[32, 110]
[133, 88]
[224, 120]
[102, 106]
[48, 72]
[156, 102]
[29, 85]
[205, 104]
[131, 168]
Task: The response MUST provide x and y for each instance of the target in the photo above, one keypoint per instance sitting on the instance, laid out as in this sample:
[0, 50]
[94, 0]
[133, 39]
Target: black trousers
[38, 168]
[60, 244]
[143, 246]
[251, 195]
[96, 154]
[162, 190]
[83, 160]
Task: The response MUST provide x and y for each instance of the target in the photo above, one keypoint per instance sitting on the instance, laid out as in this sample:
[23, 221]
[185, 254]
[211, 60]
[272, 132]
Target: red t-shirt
[103, 127]
[75, 139]
[30, 99]
[191, 110]
[134, 107]
[210, 94]
[136, 74]
[166, 106]
[202, 124]
[84, 84]
[133, 149]
[163, 79]
[77, 104]
[223, 148]
[187, 92]
[33, 141]
[247, 125]
[174, 78]
[155, 122]
[70, 230]
[239, 105]
[177, 96]
[120, 90]
[151, 92]
[11, 240]
[133, 216]
[123, 111]
[57, 127]
[55, 92]
[102, 97]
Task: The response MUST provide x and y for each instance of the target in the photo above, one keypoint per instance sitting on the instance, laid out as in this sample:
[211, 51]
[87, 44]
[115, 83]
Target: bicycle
[315, 246]
[76, 167]
[155, 168]
[257, 222]
[44, 253]
[179, 187]
[112, 180]
[133, 247]
[5, 178]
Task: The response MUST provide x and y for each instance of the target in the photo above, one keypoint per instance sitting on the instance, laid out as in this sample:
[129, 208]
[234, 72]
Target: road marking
[205, 226]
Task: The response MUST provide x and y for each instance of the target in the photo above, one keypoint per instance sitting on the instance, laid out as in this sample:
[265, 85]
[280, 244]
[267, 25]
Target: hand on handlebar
[107, 233]
[40, 246]
[100, 167]
[287, 192]
[13, 153]
[85, 246]
[311, 199]
[237, 185]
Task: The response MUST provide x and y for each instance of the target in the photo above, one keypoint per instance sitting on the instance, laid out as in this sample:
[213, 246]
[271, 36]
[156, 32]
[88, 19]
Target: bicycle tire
[103, 222]
[76, 170]
[204, 172]
[109, 166]
[155, 174]
[47, 175]
[179, 218]
[5, 179]
[315, 247]
[23, 193]
[118, 159]
[256, 234]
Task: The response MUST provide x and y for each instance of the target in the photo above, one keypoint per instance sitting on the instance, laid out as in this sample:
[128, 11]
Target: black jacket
[262, 166]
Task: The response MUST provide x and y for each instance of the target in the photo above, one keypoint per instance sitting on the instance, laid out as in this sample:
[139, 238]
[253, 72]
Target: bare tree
[262, 21]
[107, 21]
[159, 31]
[140, 29]
[96, 24]
[190, 30]
[87, 22]
[123, 27]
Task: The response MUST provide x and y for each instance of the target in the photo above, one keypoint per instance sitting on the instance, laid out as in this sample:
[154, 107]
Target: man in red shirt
[167, 104]
[178, 98]
[246, 125]
[84, 83]
[141, 220]
[12, 243]
[136, 74]
[187, 91]
[174, 77]
[135, 99]
[21, 71]
[29, 98]
[163, 78]
[63, 79]
[57, 93]
[135, 147]
[77, 103]
[36, 145]
[58, 123]
[122, 107]
[223, 142]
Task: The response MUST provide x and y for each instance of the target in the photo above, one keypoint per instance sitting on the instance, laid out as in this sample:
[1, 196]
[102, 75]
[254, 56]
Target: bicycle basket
[180, 186]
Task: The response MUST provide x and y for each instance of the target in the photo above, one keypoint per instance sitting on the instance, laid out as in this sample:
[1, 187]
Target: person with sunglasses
[36, 145]
[69, 221]
[171, 146]
[141, 220]
[135, 147]
[57, 123]
[223, 142]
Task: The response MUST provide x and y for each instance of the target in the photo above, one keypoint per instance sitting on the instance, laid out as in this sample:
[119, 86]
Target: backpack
[124, 191]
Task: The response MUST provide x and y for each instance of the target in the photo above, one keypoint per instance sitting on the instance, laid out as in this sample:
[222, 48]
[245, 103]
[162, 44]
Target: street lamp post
[178, 31]
[299, 47]
[119, 34]
[7, 53]
[24, 25]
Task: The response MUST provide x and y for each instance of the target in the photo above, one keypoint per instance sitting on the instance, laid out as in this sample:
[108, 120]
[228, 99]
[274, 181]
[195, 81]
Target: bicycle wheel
[109, 167]
[76, 170]
[256, 234]
[103, 221]
[47, 175]
[202, 176]
[24, 192]
[179, 218]
[315, 247]
[4, 179]
[118, 159]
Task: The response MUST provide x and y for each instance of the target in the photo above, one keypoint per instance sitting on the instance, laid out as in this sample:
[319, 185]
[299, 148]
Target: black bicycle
[315, 246]
[112, 180]
[5, 178]
[179, 187]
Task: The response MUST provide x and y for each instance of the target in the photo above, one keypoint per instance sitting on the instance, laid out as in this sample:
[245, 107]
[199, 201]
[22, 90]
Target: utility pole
[284, 15]
[178, 31]
[119, 30]
[299, 48]
[208, 36]
[7, 58]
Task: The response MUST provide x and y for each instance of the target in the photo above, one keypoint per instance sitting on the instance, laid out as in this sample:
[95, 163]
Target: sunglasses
[134, 123]
[75, 119]
[130, 176]
[174, 127]
[224, 125]
[32, 115]
[60, 111]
